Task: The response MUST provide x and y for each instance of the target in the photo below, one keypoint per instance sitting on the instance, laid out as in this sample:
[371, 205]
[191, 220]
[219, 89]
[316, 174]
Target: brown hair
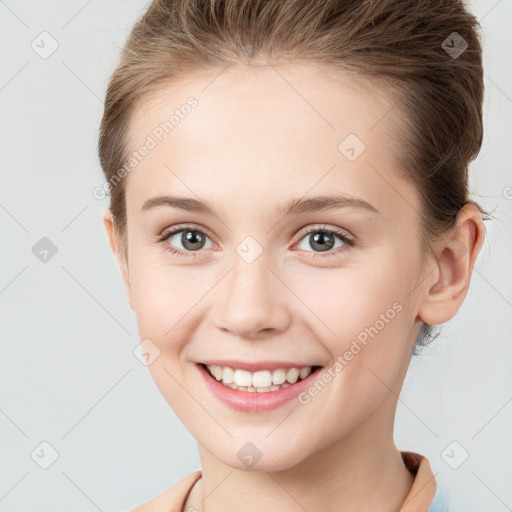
[412, 48]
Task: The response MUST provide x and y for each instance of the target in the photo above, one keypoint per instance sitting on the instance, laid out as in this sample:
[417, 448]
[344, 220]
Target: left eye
[324, 240]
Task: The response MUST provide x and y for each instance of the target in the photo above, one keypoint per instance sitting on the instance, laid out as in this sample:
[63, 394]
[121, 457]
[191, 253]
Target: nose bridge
[250, 272]
[252, 296]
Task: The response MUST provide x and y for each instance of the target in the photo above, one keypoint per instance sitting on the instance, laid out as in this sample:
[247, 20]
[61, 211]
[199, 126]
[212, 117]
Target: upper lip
[255, 365]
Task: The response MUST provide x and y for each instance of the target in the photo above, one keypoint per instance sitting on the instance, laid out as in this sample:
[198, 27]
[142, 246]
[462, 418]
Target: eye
[185, 240]
[323, 240]
[190, 238]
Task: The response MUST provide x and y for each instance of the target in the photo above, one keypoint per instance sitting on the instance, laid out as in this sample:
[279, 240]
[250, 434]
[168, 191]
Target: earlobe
[454, 267]
[108, 223]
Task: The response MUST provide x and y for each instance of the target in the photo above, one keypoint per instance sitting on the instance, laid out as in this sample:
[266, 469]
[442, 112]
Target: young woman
[290, 214]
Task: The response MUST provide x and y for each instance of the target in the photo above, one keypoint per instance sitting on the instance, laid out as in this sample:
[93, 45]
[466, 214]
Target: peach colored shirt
[423, 496]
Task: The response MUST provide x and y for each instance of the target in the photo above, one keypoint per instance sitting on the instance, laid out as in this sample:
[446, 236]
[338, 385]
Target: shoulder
[172, 499]
[424, 486]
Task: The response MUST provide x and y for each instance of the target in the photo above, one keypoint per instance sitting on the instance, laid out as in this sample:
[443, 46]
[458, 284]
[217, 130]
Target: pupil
[192, 237]
[317, 240]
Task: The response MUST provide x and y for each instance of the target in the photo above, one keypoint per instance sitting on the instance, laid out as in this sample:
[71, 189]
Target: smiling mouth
[259, 382]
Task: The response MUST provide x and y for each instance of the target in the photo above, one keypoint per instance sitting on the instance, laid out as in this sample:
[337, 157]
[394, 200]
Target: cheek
[367, 338]
[361, 313]
[165, 295]
[351, 299]
[166, 301]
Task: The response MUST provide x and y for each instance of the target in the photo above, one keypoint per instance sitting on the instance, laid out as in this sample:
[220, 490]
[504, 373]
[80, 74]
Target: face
[327, 283]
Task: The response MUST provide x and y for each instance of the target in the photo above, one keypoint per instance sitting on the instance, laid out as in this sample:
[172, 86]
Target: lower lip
[254, 401]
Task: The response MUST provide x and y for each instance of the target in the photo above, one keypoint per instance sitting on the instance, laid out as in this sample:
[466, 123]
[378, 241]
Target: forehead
[265, 131]
[247, 98]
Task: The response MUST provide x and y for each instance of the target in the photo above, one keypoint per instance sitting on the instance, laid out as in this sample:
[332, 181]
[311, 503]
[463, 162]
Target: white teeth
[304, 372]
[278, 376]
[228, 375]
[292, 375]
[261, 381]
[217, 372]
[243, 378]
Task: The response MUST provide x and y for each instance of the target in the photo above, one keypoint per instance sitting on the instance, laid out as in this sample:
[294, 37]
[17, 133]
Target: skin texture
[259, 137]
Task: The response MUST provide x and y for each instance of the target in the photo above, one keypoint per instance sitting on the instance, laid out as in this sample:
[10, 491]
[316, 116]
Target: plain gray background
[69, 378]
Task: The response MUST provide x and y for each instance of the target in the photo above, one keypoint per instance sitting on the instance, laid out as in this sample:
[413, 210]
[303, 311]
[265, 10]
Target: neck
[361, 472]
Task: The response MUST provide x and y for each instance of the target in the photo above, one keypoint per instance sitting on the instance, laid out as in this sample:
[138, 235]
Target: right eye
[191, 239]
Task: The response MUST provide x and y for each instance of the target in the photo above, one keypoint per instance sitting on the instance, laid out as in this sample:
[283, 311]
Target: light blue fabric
[440, 501]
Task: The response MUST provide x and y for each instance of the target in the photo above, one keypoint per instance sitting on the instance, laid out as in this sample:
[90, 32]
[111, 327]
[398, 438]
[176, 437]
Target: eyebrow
[295, 206]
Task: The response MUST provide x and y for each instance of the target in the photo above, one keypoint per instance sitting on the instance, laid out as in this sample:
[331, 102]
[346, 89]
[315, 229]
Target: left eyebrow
[295, 206]
[320, 203]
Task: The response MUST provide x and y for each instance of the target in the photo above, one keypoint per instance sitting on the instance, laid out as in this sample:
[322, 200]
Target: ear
[455, 258]
[109, 225]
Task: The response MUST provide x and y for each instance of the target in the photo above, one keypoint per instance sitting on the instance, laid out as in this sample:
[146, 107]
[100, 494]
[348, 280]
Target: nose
[252, 300]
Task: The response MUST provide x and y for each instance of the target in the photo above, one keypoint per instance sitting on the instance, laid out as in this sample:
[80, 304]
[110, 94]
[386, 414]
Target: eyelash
[162, 239]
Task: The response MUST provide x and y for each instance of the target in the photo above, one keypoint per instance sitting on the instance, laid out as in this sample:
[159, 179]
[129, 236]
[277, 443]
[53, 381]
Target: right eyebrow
[183, 203]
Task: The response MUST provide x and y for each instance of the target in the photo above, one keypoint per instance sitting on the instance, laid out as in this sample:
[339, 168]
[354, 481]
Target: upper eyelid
[173, 230]
[325, 227]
